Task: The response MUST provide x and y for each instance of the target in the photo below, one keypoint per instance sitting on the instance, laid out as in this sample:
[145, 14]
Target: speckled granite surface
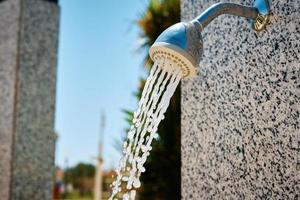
[28, 49]
[241, 114]
[8, 63]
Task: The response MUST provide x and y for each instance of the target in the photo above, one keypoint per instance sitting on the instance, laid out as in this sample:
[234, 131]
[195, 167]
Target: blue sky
[98, 69]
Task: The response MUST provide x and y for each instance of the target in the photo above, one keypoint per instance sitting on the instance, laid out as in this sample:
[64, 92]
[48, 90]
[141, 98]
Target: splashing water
[159, 88]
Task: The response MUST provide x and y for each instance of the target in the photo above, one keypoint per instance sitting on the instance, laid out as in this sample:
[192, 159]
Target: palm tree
[162, 177]
[159, 15]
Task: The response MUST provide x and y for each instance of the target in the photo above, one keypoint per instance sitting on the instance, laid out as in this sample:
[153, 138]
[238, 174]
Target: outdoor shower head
[182, 43]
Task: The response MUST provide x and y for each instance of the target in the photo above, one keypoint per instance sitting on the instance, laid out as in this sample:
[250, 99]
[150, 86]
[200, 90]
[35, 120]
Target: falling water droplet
[136, 183]
[159, 88]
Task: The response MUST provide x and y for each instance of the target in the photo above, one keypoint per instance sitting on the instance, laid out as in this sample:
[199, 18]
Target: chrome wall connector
[263, 16]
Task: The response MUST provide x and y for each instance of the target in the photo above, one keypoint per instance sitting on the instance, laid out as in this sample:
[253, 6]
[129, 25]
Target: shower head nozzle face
[180, 44]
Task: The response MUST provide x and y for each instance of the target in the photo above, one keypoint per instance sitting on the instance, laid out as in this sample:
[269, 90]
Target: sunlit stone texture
[28, 49]
[241, 114]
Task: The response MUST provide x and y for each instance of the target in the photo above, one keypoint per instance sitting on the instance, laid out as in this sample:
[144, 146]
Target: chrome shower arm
[259, 13]
[226, 8]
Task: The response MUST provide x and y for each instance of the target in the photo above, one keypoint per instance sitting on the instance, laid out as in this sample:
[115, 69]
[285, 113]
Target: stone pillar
[241, 114]
[28, 56]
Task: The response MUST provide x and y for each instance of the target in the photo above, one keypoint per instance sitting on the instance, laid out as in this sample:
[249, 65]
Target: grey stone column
[28, 56]
[241, 114]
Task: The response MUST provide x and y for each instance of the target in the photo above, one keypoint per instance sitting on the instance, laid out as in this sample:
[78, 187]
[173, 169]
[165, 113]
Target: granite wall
[241, 114]
[8, 62]
[28, 49]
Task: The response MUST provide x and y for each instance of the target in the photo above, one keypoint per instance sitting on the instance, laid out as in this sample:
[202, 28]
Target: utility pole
[99, 160]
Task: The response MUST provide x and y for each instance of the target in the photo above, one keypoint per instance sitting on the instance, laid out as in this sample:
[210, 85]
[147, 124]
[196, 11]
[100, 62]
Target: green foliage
[76, 195]
[162, 178]
[81, 170]
[159, 15]
[81, 177]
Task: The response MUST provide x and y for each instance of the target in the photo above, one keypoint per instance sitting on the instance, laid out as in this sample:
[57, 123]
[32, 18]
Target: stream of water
[159, 88]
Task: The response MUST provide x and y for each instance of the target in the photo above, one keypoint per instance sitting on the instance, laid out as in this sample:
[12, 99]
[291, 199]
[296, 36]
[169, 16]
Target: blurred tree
[162, 178]
[81, 177]
[158, 16]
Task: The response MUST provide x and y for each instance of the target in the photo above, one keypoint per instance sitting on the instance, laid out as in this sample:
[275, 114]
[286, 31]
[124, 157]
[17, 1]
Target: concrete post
[28, 56]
